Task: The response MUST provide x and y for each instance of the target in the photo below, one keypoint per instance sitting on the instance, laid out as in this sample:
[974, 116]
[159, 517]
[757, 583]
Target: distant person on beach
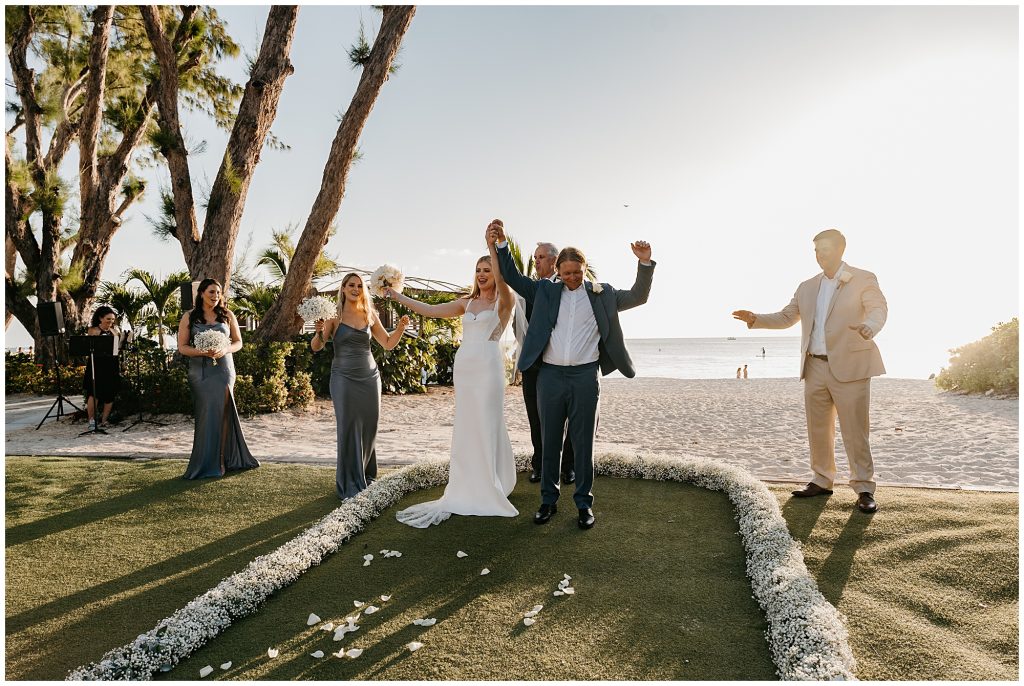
[744, 371]
[482, 469]
[763, 352]
[544, 265]
[739, 372]
[355, 382]
[574, 331]
[840, 311]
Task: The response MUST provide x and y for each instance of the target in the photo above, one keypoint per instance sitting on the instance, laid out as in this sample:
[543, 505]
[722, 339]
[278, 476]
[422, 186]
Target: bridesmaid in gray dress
[355, 382]
[218, 444]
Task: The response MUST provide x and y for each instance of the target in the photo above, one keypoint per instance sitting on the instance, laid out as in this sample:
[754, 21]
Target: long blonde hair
[364, 304]
[475, 293]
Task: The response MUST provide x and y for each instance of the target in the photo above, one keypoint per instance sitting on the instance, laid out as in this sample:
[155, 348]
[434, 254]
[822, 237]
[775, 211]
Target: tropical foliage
[990, 364]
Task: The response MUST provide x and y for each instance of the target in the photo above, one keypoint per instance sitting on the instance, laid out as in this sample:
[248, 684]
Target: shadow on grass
[835, 571]
[166, 587]
[97, 510]
[801, 514]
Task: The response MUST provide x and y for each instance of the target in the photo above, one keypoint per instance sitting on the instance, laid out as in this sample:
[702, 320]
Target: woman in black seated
[108, 371]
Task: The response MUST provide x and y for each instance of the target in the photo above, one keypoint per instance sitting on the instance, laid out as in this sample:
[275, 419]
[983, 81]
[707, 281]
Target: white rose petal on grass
[272, 652]
[531, 613]
[385, 598]
[566, 577]
[371, 609]
[485, 571]
[414, 646]
[425, 622]
[355, 652]
[366, 564]
[367, 557]
[461, 554]
[384, 552]
[328, 626]
[318, 654]
[529, 621]
[358, 603]
[340, 653]
[205, 671]
[226, 665]
[559, 593]
[313, 619]
[562, 584]
[569, 590]
[538, 608]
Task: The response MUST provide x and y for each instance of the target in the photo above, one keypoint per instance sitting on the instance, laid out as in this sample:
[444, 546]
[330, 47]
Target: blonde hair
[570, 254]
[475, 293]
[364, 304]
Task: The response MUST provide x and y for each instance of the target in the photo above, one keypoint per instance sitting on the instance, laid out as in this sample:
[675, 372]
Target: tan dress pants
[825, 398]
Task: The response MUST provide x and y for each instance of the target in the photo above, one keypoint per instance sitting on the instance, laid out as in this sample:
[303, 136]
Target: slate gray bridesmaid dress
[355, 392]
[209, 383]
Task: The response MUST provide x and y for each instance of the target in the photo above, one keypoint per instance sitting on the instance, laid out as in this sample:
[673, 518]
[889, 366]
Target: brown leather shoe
[810, 490]
[866, 503]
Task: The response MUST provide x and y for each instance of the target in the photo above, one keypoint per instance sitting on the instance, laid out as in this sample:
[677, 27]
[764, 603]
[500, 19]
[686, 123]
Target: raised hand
[496, 231]
[642, 250]
[403, 323]
[744, 316]
[864, 330]
[319, 326]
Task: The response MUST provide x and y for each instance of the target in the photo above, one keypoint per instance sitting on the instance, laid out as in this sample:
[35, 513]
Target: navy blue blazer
[545, 298]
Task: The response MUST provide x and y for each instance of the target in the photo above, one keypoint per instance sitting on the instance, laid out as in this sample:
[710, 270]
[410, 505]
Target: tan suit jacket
[858, 301]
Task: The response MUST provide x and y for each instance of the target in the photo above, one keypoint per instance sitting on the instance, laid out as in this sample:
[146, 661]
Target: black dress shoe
[569, 478]
[534, 477]
[544, 513]
[810, 490]
[586, 520]
[866, 503]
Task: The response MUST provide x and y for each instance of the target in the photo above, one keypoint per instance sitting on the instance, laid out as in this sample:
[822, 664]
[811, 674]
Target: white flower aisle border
[806, 634]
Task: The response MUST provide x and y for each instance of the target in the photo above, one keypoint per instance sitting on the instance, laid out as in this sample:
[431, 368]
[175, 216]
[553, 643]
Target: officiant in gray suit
[574, 332]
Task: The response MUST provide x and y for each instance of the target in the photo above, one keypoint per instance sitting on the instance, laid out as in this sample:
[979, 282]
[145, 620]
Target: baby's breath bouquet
[316, 308]
[211, 340]
[386, 276]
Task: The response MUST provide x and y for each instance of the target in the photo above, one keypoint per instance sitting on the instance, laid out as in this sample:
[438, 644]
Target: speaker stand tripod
[134, 349]
[58, 404]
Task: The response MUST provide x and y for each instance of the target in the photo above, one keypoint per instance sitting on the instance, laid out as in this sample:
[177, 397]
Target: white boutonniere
[596, 287]
[845, 277]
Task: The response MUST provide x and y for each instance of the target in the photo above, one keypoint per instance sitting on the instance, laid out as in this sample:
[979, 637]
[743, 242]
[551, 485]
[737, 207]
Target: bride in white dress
[482, 471]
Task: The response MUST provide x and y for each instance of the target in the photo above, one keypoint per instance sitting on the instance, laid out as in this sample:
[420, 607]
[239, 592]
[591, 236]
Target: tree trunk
[256, 113]
[282, 322]
[10, 264]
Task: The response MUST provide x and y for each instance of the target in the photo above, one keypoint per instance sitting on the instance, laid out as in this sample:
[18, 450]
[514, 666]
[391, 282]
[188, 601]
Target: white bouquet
[386, 276]
[316, 308]
[211, 340]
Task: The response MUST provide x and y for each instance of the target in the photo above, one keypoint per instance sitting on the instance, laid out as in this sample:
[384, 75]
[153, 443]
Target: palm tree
[131, 303]
[278, 256]
[161, 295]
[255, 301]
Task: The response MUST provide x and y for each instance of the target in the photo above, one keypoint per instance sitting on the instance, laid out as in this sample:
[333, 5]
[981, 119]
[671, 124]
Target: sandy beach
[920, 436]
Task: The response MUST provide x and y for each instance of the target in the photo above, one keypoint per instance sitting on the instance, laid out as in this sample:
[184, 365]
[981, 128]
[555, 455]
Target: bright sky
[733, 134]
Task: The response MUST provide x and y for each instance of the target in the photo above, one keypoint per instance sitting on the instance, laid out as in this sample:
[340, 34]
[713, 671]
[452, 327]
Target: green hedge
[991, 364]
[270, 376]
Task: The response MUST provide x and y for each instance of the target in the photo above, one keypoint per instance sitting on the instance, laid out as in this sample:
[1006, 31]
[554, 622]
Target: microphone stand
[134, 349]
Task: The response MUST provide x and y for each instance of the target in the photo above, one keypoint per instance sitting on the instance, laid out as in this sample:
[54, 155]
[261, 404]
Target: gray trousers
[569, 393]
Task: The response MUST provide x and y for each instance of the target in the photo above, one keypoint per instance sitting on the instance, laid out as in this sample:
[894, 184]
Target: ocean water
[715, 358]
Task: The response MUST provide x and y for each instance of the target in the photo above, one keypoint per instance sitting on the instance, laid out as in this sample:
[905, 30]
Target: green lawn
[98, 551]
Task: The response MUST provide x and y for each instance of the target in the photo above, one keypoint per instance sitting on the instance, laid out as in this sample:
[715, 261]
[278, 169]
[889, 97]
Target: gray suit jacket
[545, 298]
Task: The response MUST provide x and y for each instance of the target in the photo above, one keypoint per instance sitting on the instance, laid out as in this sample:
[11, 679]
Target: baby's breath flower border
[806, 634]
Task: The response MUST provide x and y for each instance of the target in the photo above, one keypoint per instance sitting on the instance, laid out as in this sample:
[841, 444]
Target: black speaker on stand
[51, 326]
[189, 295]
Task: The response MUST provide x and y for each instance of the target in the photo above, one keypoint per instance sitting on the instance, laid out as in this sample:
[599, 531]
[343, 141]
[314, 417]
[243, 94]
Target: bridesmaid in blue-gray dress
[218, 444]
[355, 382]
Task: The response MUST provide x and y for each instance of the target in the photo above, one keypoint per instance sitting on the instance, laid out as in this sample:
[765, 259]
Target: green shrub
[444, 362]
[989, 364]
[262, 361]
[164, 393]
[246, 395]
[401, 369]
[300, 390]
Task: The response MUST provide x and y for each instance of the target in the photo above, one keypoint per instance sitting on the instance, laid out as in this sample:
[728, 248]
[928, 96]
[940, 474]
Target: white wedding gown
[483, 470]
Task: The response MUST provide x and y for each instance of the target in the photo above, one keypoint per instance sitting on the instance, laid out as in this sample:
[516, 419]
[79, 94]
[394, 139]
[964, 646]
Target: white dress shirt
[575, 337]
[826, 291]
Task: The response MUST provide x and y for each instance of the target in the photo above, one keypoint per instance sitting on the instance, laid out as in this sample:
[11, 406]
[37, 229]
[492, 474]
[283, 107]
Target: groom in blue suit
[574, 331]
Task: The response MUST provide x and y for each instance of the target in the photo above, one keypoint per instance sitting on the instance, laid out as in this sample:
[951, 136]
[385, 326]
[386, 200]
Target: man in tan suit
[840, 311]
